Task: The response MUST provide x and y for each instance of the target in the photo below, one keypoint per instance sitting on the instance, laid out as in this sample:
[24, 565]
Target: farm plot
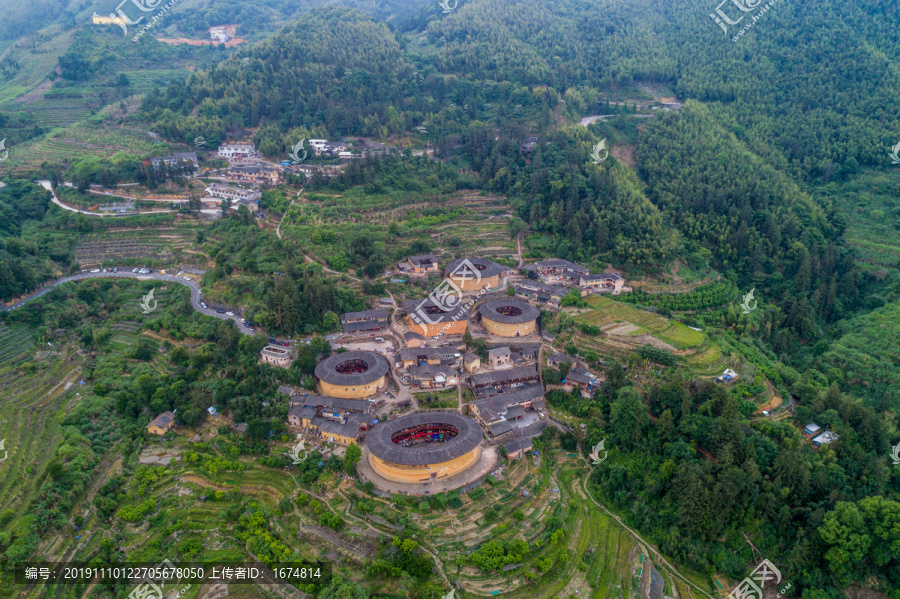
[156, 245]
[31, 396]
[606, 313]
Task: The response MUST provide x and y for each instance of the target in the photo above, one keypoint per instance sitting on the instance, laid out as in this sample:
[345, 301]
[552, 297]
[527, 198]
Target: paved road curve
[196, 294]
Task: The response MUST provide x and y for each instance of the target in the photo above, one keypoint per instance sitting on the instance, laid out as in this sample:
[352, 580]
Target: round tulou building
[509, 317]
[424, 447]
[475, 274]
[352, 375]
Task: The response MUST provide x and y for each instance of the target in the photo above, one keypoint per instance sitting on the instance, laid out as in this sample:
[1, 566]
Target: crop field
[154, 245]
[870, 203]
[606, 312]
[82, 139]
[37, 384]
[33, 65]
[461, 225]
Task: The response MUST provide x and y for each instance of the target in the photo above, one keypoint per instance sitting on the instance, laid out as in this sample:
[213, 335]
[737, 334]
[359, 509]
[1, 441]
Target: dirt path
[644, 544]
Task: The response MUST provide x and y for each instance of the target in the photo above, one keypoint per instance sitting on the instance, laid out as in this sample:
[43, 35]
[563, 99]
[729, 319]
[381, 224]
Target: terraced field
[157, 245]
[67, 143]
[35, 386]
[606, 312]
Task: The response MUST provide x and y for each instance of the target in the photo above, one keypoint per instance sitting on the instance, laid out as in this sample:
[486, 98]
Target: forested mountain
[489, 74]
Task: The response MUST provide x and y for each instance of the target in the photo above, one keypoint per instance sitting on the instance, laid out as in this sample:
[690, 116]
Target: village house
[367, 321]
[499, 381]
[162, 424]
[583, 379]
[336, 420]
[824, 439]
[222, 33]
[419, 265]
[275, 355]
[516, 448]
[471, 363]
[608, 282]
[428, 376]
[507, 407]
[499, 357]
[236, 151]
[413, 339]
[549, 296]
[176, 158]
[558, 267]
[557, 360]
[409, 357]
[253, 175]
[234, 194]
[529, 144]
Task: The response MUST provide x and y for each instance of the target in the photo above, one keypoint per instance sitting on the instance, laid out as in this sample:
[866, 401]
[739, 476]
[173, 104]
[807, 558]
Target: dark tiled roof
[517, 445]
[364, 325]
[607, 276]
[489, 310]
[424, 258]
[504, 376]
[304, 412]
[580, 375]
[413, 335]
[320, 401]
[427, 353]
[163, 420]
[380, 444]
[486, 268]
[377, 368]
[500, 428]
[365, 315]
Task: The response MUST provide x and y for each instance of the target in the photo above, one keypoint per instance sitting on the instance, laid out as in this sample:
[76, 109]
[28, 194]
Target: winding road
[46, 185]
[196, 293]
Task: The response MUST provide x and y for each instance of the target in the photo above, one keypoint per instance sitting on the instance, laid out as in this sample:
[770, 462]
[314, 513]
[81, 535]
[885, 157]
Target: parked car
[186, 278]
[96, 270]
[220, 311]
[229, 313]
[116, 269]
